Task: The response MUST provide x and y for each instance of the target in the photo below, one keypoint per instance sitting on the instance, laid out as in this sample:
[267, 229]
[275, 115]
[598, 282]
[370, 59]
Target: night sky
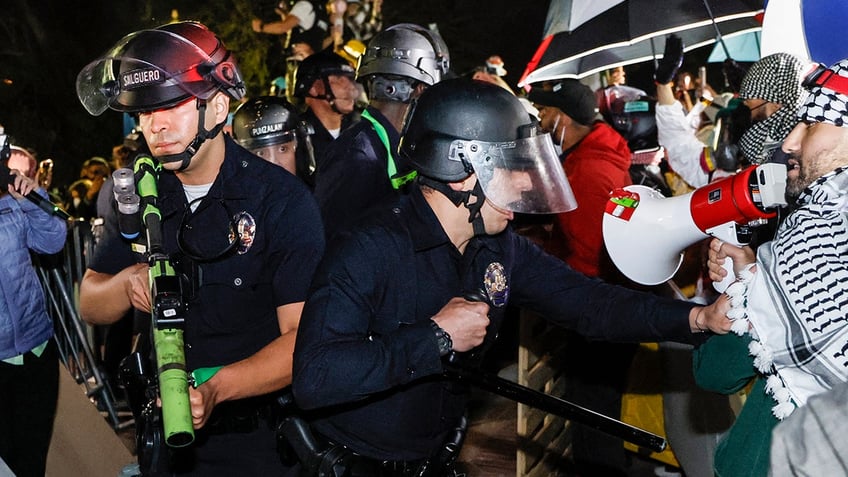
[44, 44]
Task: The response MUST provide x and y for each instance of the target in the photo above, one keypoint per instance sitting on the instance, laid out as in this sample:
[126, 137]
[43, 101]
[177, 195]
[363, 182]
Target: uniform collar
[426, 230]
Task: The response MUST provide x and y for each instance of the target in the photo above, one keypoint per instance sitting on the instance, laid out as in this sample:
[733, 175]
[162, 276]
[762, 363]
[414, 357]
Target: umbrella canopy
[633, 31]
[567, 15]
[743, 46]
[809, 29]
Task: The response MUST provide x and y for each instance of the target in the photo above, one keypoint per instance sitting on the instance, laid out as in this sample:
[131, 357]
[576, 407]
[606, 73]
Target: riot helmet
[158, 69]
[401, 56]
[633, 115]
[264, 125]
[463, 126]
[320, 66]
[265, 121]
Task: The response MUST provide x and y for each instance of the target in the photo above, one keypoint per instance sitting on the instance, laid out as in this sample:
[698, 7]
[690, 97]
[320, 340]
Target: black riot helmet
[463, 126]
[159, 68]
[320, 66]
[265, 121]
[633, 114]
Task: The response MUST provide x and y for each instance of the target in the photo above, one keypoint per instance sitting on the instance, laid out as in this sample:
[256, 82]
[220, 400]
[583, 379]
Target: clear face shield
[140, 82]
[523, 176]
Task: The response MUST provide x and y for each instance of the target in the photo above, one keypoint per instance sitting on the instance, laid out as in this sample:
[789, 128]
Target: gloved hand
[671, 60]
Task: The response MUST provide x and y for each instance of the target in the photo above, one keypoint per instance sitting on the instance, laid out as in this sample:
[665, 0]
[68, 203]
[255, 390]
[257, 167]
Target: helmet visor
[523, 176]
[122, 81]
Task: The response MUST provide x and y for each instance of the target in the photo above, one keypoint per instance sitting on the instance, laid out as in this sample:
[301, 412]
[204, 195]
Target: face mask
[762, 139]
[561, 134]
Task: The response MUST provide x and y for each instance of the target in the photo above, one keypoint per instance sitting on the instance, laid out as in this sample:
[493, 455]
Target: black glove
[671, 60]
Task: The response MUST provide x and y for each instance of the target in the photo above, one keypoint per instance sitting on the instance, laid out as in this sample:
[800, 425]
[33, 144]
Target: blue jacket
[24, 323]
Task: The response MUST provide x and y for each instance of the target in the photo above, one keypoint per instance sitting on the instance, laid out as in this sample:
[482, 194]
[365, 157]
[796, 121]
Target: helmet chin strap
[462, 197]
[184, 158]
[328, 96]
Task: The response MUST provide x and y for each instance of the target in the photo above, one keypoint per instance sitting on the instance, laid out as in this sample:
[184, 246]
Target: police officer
[361, 168]
[270, 127]
[245, 234]
[325, 83]
[387, 301]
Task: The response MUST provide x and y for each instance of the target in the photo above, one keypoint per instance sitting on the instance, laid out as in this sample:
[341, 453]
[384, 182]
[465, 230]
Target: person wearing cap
[788, 300]
[361, 168]
[433, 275]
[596, 160]
[243, 235]
[325, 83]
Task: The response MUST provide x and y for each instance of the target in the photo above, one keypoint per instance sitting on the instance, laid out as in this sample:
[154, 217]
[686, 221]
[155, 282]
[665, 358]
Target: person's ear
[220, 105]
[465, 184]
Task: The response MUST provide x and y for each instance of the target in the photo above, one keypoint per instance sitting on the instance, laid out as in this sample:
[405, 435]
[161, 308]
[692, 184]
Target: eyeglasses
[197, 237]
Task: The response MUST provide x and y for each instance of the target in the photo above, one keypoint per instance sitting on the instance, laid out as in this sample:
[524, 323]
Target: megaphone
[646, 233]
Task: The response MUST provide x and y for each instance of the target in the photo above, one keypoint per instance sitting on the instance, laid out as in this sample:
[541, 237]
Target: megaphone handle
[725, 282]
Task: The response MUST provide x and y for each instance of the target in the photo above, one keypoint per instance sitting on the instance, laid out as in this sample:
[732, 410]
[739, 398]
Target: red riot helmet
[159, 68]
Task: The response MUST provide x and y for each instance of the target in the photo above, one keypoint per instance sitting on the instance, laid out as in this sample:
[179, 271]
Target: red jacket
[596, 166]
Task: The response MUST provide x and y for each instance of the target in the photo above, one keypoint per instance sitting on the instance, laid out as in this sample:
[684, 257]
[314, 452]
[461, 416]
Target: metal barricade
[60, 275]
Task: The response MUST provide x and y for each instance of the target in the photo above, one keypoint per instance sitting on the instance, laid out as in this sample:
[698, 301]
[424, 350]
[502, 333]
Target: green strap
[397, 181]
[201, 375]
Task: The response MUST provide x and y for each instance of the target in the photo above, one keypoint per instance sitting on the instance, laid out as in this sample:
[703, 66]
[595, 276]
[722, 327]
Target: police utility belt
[323, 458]
[243, 416]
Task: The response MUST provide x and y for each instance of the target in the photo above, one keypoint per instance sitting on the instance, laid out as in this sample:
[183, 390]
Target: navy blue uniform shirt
[365, 346]
[232, 310]
[353, 174]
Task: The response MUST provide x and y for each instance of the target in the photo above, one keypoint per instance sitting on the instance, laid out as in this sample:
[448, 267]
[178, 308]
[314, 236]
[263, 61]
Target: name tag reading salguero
[141, 77]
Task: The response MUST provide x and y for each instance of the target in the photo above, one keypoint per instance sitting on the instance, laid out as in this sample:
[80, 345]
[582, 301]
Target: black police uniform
[232, 299]
[365, 339]
[321, 138]
[353, 174]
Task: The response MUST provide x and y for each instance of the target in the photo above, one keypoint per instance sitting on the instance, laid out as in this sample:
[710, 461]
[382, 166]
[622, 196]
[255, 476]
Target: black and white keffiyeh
[776, 78]
[796, 304]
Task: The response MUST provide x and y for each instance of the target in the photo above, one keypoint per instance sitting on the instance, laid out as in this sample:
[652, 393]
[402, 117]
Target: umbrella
[744, 46]
[567, 15]
[634, 31]
[810, 29]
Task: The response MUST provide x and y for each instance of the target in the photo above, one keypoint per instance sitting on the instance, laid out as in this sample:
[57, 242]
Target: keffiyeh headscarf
[796, 305]
[777, 79]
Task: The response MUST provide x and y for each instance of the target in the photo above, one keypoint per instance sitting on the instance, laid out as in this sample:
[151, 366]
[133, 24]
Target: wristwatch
[442, 338]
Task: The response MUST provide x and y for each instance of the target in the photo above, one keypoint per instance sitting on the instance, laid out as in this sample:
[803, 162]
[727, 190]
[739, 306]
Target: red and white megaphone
[645, 233]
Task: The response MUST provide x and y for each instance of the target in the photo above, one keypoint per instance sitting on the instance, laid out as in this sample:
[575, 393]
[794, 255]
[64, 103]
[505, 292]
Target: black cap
[569, 95]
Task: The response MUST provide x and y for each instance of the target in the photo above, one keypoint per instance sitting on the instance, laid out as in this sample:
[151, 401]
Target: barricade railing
[60, 275]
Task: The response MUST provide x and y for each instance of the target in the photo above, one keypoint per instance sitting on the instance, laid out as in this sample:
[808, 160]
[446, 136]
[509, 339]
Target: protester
[243, 234]
[811, 441]
[360, 169]
[29, 363]
[787, 307]
[386, 304]
[596, 160]
[304, 26]
[771, 92]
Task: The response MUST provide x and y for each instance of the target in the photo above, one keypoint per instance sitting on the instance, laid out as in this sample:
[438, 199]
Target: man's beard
[797, 185]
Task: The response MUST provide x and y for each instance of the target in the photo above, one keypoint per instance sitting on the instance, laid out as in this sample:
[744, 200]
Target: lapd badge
[497, 289]
[245, 231]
